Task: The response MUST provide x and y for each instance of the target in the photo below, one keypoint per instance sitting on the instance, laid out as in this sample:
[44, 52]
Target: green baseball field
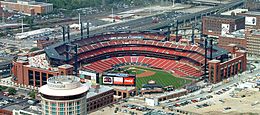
[143, 75]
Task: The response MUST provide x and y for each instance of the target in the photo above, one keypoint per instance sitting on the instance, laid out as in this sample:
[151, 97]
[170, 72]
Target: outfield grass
[161, 77]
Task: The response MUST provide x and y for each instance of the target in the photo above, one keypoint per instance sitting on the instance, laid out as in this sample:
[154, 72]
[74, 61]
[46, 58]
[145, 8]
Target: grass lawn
[161, 77]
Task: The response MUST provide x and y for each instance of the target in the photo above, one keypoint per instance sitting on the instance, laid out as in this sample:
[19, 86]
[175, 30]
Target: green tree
[2, 88]
[32, 94]
[34, 49]
[29, 20]
[11, 91]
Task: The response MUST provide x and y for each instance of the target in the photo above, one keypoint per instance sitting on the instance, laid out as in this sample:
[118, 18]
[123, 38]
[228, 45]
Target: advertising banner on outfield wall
[129, 81]
[107, 80]
[250, 21]
[118, 80]
[224, 29]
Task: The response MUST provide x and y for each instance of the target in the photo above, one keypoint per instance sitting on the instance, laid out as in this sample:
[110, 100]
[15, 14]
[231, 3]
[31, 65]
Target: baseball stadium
[150, 55]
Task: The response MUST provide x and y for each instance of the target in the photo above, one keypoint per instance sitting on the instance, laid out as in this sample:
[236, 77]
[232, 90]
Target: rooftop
[40, 61]
[255, 13]
[63, 86]
[239, 10]
[165, 93]
[255, 32]
[239, 34]
[34, 33]
[66, 66]
[128, 88]
[33, 109]
[28, 2]
[63, 80]
[225, 17]
[214, 61]
[95, 91]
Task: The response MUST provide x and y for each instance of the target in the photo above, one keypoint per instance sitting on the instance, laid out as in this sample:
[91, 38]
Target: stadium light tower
[22, 25]
[113, 20]
[72, 49]
[150, 8]
[177, 29]
[63, 33]
[81, 30]
[3, 14]
[192, 34]
[79, 22]
[205, 55]
[87, 29]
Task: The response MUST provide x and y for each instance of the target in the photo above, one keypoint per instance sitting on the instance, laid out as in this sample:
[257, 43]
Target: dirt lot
[243, 102]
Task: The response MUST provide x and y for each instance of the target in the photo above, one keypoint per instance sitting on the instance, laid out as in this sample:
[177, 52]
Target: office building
[215, 25]
[252, 19]
[64, 95]
[28, 7]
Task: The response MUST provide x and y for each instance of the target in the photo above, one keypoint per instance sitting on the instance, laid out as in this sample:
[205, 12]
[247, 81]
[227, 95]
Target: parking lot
[226, 101]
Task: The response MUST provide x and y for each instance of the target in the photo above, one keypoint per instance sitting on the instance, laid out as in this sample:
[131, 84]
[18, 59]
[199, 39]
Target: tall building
[64, 95]
[253, 42]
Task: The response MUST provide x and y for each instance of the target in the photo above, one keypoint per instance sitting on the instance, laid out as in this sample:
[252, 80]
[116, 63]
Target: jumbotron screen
[118, 79]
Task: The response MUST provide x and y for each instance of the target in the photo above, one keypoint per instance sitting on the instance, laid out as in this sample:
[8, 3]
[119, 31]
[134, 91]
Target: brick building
[28, 71]
[252, 19]
[28, 7]
[216, 25]
[222, 70]
[237, 38]
[5, 112]
[122, 92]
[99, 96]
[41, 44]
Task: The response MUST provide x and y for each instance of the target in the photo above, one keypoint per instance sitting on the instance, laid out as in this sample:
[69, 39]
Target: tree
[34, 49]
[3, 88]
[32, 94]
[30, 21]
[12, 91]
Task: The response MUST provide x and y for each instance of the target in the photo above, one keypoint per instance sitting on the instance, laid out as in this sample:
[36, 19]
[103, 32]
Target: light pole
[150, 8]
[22, 25]
[113, 20]
[3, 14]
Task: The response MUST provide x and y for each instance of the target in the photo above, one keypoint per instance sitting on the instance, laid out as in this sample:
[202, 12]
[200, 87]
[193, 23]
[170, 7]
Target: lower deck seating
[180, 68]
